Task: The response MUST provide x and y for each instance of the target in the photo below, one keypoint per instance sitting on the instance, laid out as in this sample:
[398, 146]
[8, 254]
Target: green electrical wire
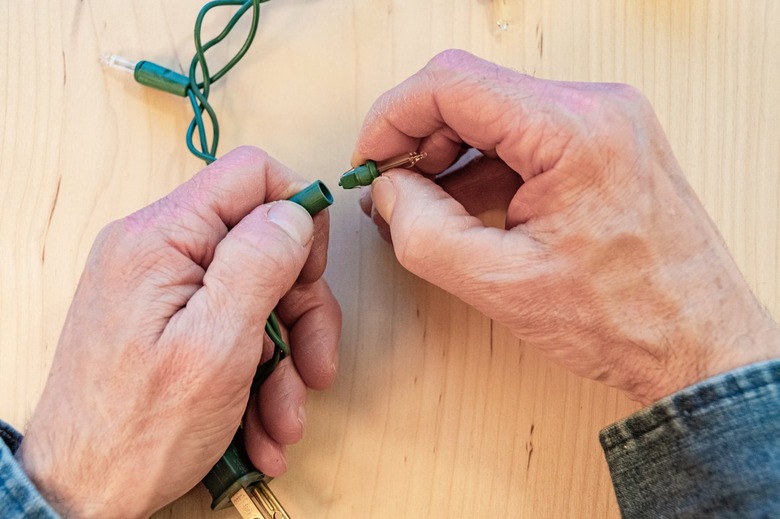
[198, 92]
[314, 198]
[281, 350]
[234, 470]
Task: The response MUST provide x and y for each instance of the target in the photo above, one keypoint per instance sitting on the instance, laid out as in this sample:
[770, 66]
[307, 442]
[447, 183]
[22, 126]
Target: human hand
[608, 263]
[152, 372]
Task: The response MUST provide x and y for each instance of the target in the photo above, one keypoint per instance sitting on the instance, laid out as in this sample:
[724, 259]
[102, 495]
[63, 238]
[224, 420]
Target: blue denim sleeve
[19, 499]
[710, 450]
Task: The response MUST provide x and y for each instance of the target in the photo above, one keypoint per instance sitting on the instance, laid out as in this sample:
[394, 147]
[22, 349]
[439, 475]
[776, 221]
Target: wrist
[761, 342]
[747, 335]
[66, 496]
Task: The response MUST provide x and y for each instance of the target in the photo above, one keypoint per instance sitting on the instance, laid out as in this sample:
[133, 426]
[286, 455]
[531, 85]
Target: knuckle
[242, 158]
[455, 66]
[416, 249]
[275, 257]
[451, 59]
[610, 115]
[251, 153]
[110, 231]
[629, 94]
[106, 247]
[276, 266]
[407, 251]
[238, 158]
[122, 237]
[624, 103]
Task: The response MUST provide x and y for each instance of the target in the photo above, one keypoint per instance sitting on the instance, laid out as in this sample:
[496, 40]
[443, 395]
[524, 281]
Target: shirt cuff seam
[748, 383]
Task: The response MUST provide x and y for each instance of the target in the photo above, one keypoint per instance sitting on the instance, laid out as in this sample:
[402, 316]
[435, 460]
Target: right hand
[609, 263]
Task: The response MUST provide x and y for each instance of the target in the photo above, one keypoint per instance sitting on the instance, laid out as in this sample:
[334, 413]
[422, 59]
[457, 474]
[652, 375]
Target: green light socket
[314, 198]
[161, 78]
[362, 175]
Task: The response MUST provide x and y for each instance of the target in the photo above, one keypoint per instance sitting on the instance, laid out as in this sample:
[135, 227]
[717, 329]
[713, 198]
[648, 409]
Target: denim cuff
[10, 436]
[710, 450]
[19, 499]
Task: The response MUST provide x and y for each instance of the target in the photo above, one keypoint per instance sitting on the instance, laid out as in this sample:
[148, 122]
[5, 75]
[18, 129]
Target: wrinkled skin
[152, 372]
[608, 262]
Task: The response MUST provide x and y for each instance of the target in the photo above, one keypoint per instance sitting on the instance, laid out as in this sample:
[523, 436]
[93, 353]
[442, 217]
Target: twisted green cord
[281, 350]
[198, 94]
[199, 91]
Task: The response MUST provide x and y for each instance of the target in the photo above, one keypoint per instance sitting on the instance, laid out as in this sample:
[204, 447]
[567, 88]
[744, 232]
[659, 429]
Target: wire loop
[198, 94]
[199, 90]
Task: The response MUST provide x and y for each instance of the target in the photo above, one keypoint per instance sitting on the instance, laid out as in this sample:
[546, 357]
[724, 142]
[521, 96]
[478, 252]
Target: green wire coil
[234, 469]
[199, 91]
[198, 94]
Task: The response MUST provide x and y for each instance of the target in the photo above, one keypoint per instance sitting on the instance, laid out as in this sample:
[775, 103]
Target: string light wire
[230, 478]
[199, 91]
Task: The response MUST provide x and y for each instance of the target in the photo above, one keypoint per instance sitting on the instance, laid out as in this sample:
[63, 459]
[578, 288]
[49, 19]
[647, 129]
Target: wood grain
[437, 412]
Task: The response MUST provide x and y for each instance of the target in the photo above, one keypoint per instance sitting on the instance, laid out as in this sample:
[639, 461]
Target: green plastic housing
[161, 78]
[234, 470]
[314, 198]
[362, 175]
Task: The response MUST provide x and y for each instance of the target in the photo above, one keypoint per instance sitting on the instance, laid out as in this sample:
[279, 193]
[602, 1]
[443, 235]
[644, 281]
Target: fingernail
[383, 193]
[293, 220]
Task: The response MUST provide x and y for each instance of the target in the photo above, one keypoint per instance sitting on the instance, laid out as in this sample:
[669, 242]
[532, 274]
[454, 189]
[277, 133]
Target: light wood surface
[436, 412]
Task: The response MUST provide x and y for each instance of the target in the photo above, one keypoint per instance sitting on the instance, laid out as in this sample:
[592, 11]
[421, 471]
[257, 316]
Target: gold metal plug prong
[406, 161]
[246, 507]
[268, 502]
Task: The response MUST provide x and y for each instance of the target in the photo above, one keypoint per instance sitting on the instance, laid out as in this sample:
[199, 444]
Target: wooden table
[437, 411]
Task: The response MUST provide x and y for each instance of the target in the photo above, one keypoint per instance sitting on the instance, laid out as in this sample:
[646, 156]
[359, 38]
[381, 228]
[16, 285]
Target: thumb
[253, 267]
[435, 238]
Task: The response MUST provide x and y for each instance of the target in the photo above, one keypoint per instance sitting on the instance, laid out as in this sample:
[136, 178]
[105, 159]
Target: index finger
[236, 184]
[459, 98]
[198, 214]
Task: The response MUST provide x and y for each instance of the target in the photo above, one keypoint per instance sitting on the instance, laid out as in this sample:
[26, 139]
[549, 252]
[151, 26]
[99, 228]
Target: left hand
[152, 372]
